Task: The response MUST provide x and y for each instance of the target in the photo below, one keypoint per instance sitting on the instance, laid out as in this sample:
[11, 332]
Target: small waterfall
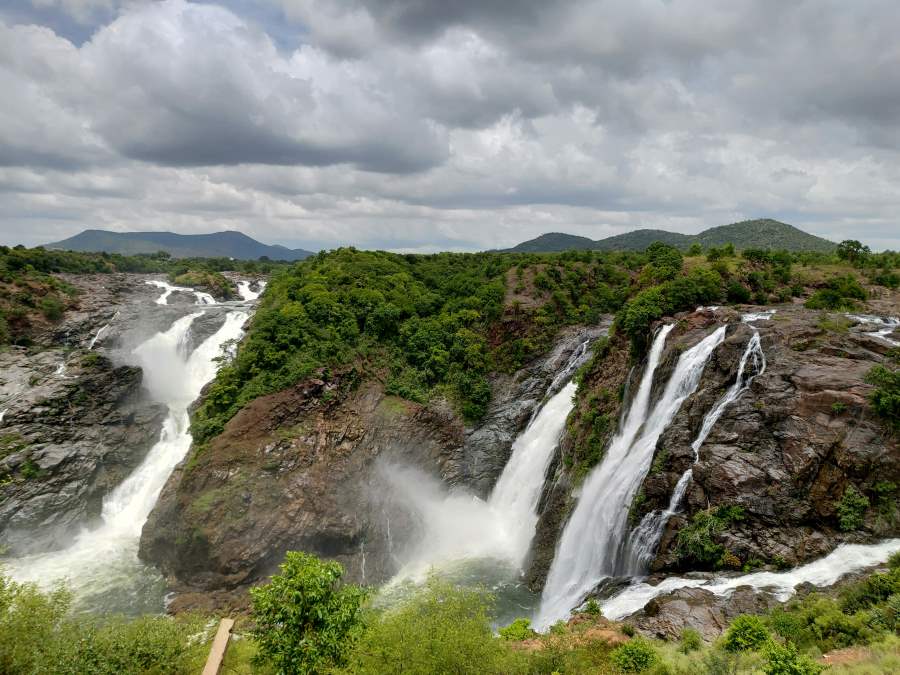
[102, 332]
[886, 326]
[201, 297]
[591, 545]
[248, 295]
[103, 562]
[645, 538]
[460, 526]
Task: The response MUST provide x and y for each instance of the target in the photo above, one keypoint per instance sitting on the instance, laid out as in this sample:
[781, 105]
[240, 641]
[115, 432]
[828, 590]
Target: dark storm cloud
[416, 124]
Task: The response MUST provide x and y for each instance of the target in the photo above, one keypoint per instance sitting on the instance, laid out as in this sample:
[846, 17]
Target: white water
[644, 540]
[591, 545]
[101, 333]
[887, 325]
[825, 571]
[459, 526]
[758, 316]
[103, 561]
[247, 294]
[201, 297]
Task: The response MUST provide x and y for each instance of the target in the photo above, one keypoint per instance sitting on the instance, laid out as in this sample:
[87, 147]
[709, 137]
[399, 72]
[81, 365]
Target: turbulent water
[247, 294]
[591, 546]
[826, 571]
[885, 326]
[101, 565]
[644, 540]
[201, 297]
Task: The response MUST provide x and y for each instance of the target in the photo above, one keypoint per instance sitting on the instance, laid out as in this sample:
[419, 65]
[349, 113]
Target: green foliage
[518, 630]
[786, 660]
[840, 292]
[690, 641]
[697, 541]
[305, 618]
[51, 307]
[851, 509]
[745, 633]
[852, 250]
[872, 590]
[885, 398]
[737, 293]
[442, 629]
[39, 635]
[695, 250]
[212, 281]
[635, 656]
[592, 608]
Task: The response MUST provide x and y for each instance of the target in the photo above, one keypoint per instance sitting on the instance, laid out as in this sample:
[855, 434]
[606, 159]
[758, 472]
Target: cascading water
[249, 295]
[886, 326]
[644, 540]
[201, 297]
[460, 526]
[102, 563]
[845, 559]
[591, 546]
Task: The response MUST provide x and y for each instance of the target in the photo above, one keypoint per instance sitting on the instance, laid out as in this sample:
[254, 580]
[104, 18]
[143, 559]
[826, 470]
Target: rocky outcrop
[787, 450]
[309, 468]
[74, 427]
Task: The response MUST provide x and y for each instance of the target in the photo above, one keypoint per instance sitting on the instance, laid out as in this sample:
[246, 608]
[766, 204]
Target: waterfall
[645, 538]
[886, 326]
[460, 526]
[591, 545]
[248, 295]
[201, 297]
[101, 333]
[103, 562]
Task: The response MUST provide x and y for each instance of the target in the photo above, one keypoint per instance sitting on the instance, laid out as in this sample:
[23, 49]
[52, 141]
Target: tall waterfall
[645, 538]
[103, 562]
[460, 526]
[590, 548]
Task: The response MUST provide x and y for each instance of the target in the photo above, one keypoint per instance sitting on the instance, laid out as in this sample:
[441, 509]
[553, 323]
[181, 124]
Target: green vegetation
[305, 620]
[32, 298]
[213, 281]
[851, 509]
[745, 633]
[841, 292]
[697, 543]
[38, 634]
[885, 398]
[310, 623]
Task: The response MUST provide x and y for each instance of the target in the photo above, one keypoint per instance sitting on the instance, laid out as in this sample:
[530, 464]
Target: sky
[423, 125]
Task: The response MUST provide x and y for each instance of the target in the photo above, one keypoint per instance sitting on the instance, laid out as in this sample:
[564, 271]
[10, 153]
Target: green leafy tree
[635, 656]
[745, 633]
[852, 251]
[851, 509]
[885, 398]
[786, 660]
[305, 618]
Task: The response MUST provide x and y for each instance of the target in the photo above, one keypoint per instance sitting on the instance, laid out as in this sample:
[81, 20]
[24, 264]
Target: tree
[695, 250]
[305, 618]
[852, 251]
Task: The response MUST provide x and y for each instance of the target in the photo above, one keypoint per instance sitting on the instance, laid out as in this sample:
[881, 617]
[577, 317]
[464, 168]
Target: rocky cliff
[308, 468]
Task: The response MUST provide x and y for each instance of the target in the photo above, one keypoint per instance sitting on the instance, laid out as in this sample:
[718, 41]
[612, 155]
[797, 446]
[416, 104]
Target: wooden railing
[219, 645]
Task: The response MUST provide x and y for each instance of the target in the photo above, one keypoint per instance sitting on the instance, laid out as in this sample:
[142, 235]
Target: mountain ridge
[758, 233]
[227, 243]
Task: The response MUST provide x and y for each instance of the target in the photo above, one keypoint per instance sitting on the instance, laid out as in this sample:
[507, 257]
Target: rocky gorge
[318, 466]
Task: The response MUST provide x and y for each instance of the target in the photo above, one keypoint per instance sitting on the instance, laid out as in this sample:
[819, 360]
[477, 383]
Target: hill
[228, 244]
[761, 233]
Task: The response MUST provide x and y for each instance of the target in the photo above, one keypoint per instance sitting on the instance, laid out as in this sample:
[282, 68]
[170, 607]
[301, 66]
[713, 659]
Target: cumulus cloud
[422, 124]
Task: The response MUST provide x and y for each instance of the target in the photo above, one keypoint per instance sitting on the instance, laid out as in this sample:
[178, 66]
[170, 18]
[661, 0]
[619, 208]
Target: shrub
[593, 608]
[305, 619]
[870, 591]
[691, 641]
[634, 656]
[885, 398]
[786, 660]
[696, 541]
[746, 632]
[839, 293]
[51, 307]
[518, 630]
[441, 629]
[851, 509]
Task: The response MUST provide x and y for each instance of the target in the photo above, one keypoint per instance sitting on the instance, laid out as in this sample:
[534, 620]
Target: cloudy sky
[448, 125]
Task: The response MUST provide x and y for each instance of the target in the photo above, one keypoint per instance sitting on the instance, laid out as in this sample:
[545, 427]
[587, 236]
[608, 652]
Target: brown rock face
[309, 468]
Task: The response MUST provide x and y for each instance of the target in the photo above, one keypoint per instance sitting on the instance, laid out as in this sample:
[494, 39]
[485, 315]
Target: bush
[51, 307]
[441, 629]
[746, 632]
[518, 630]
[305, 619]
[839, 293]
[786, 660]
[737, 293]
[593, 608]
[634, 656]
[851, 509]
[885, 398]
[696, 541]
[691, 641]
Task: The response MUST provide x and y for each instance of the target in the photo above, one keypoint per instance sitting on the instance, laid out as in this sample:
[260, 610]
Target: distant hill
[228, 244]
[762, 233]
